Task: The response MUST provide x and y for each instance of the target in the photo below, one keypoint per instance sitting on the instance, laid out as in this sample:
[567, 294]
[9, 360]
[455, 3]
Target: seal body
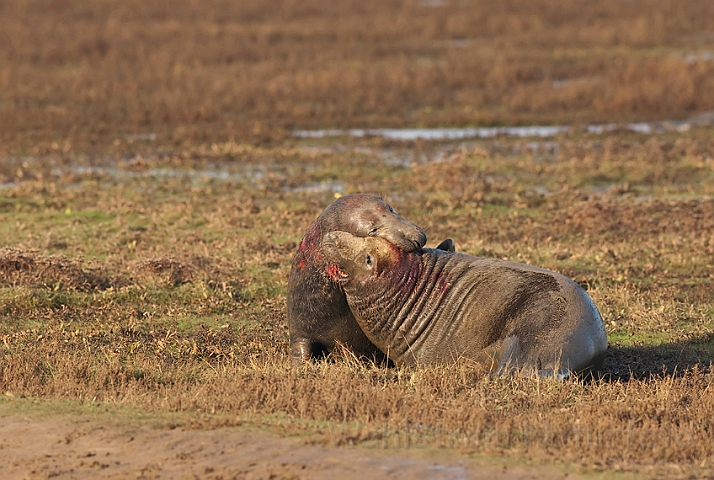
[431, 306]
[319, 317]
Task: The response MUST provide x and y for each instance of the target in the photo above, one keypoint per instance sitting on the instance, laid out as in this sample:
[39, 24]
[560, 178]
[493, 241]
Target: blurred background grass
[74, 71]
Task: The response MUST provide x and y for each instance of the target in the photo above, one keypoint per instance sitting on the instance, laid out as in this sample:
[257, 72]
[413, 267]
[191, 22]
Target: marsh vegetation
[151, 199]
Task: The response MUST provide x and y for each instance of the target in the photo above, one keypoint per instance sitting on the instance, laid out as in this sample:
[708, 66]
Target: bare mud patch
[27, 267]
[81, 448]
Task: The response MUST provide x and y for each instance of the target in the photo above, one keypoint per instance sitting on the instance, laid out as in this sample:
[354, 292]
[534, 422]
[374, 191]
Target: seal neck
[382, 304]
[309, 253]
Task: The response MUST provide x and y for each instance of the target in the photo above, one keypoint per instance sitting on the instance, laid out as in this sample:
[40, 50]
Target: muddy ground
[84, 448]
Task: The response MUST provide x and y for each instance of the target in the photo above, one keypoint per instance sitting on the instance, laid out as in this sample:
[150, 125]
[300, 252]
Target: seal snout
[408, 239]
[420, 241]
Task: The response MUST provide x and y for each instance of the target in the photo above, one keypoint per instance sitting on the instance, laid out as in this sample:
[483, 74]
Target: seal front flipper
[447, 246]
[304, 349]
[300, 351]
[560, 374]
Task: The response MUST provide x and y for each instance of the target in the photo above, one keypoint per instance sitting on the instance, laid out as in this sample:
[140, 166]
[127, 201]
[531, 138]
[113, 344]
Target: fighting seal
[318, 315]
[427, 306]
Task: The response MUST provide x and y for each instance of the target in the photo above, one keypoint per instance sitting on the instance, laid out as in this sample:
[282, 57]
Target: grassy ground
[160, 284]
[75, 75]
[152, 199]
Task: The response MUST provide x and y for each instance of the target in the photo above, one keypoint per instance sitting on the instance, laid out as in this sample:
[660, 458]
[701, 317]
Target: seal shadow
[641, 362]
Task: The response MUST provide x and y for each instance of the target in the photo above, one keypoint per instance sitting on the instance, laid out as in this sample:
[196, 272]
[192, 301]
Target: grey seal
[318, 315]
[429, 306]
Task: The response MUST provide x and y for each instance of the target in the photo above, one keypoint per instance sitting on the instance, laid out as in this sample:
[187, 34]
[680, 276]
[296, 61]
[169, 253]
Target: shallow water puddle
[266, 175]
[410, 134]
[196, 175]
[407, 134]
[537, 141]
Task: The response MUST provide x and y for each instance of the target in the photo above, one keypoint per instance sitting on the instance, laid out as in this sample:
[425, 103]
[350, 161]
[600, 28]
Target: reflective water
[273, 176]
[537, 142]
[407, 134]
[410, 134]
[214, 173]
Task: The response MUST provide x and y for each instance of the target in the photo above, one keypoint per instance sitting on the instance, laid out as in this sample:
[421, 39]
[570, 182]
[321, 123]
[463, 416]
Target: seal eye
[368, 261]
[373, 232]
[391, 209]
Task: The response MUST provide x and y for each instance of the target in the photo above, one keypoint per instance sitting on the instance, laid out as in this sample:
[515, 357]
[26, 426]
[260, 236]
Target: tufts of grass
[168, 294]
[298, 67]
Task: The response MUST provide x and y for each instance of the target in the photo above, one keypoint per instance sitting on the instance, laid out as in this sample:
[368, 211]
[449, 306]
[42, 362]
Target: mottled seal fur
[318, 315]
[428, 306]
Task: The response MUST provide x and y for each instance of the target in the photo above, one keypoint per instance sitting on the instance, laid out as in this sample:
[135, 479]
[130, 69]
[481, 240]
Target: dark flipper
[447, 245]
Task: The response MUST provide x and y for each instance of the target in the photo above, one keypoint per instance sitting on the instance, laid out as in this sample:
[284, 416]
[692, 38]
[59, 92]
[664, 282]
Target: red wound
[443, 283]
[309, 251]
[335, 273]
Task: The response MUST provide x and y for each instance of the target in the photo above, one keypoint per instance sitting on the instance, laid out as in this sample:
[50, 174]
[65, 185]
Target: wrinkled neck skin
[384, 303]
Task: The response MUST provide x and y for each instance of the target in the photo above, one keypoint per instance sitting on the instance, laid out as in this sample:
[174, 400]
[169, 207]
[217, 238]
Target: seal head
[319, 318]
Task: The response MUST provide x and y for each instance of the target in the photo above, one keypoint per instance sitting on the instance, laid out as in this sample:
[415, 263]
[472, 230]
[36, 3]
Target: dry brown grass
[74, 74]
[121, 285]
[151, 272]
[659, 425]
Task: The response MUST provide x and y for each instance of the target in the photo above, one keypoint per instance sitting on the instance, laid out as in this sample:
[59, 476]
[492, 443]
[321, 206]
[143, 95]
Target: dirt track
[66, 449]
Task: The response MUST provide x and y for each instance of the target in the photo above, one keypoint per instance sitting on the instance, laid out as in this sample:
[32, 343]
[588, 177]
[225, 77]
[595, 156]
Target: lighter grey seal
[428, 306]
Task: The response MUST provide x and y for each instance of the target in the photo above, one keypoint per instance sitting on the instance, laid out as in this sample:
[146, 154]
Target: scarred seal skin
[430, 306]
[318, 315]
